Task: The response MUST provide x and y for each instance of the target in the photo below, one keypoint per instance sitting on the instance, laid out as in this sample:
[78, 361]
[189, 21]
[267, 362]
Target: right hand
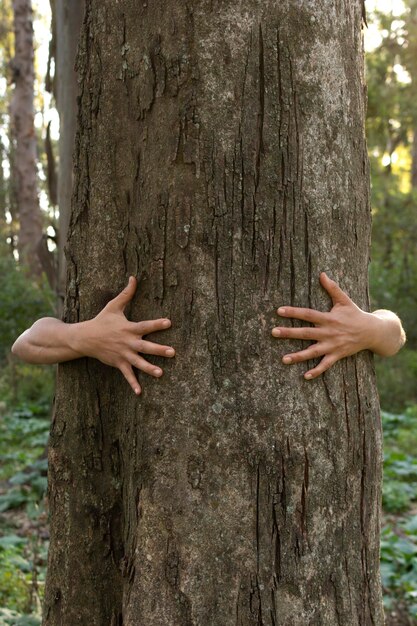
[341, 332]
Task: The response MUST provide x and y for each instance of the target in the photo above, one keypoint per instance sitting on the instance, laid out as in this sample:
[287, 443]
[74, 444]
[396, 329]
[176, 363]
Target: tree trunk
[221, 159]
[4, 228]
[23, 131]
[68, 15]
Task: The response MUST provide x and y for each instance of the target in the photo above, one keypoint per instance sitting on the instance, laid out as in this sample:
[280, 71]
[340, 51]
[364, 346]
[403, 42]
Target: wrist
[78, 338]
[373, 332]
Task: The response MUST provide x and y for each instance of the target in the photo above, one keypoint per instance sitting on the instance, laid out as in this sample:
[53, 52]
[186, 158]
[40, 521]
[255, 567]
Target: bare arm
[48, 341]
[341, 332]
[388, 333]
[109, 337]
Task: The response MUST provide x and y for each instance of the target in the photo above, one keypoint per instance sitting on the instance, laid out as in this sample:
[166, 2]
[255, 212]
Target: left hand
[112, 339]
[343, 331]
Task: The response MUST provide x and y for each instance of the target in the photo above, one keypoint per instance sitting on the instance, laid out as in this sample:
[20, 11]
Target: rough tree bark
[68, 16]
[221, 159]
[24, 172]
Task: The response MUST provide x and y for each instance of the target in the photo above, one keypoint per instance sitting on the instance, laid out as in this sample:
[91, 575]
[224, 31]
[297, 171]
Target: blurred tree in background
[23, 166]
[28, 216]
[27, 263]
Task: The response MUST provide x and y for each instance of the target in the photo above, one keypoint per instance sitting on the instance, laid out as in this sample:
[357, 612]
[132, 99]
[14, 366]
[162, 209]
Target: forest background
[28, 292]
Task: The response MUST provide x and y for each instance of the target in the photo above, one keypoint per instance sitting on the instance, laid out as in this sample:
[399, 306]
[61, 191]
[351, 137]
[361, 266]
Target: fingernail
[170, 352]
[276, 332]
[308, 376]
[166, 323]
[158, 372]
[281, 310]
[287, 359]
[137, 391]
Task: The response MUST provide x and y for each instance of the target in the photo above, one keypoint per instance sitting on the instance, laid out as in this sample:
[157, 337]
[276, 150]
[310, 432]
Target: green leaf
[12, 500]
[10, 541]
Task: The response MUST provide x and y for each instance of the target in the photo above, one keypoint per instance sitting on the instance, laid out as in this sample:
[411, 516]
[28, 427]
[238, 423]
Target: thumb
[337, 294]
[120, 302]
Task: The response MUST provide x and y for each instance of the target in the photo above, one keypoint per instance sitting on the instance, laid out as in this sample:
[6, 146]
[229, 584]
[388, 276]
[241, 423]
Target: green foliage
[400, 431]
[21, 383]
[397, 380]
[22, 302]
[400, 466]
[12, 618]
[391, 127]
[14, 579]
[393, 285]
[23, 439]
[399, 535]
[393, 271]
[399, 564]
[22, 578]
[392, 105]
[23, 553]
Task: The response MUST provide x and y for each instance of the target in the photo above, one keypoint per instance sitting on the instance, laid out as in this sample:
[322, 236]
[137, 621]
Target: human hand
[112, 339]
[343, 331]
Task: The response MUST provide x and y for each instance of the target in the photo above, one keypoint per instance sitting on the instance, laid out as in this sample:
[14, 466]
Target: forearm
[387, 336]
[50, 341]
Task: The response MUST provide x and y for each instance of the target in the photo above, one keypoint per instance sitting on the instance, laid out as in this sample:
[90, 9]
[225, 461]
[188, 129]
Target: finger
[310, 333]
[143, 365]
[312, 352]
[299, 313]
[151, 326]
[120, 302]
[324, 365]
[127, 372]
[148, 347]
[337, 294]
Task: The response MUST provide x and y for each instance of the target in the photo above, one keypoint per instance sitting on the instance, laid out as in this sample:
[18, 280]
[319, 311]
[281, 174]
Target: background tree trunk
[68, 19]
[220, 158]
[4, 228]
[23, 133]
[414, 161]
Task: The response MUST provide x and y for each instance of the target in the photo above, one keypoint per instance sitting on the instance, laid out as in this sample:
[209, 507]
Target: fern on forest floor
[23, 521]
[399, 533]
